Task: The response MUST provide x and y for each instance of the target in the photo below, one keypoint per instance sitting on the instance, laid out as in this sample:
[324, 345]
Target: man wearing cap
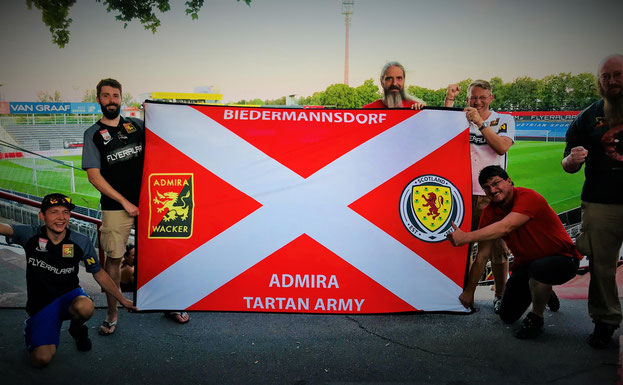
[53, 253]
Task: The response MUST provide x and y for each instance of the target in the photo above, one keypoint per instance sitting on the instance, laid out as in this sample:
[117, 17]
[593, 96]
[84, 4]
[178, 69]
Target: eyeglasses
[481, 98]
[616, 75]
[494, 183]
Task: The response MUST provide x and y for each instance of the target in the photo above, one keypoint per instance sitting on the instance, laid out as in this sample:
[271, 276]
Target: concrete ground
[263, 348]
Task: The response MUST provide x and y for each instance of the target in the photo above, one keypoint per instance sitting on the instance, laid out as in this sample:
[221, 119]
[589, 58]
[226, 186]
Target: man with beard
[594, 138]
[113, 159]
[393, 82]
[490, 135]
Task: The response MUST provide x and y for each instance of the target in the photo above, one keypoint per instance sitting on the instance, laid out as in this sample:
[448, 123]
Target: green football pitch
[18, 175]
[535, 165]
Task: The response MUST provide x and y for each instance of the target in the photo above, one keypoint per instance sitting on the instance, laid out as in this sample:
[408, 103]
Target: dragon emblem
[168, 200]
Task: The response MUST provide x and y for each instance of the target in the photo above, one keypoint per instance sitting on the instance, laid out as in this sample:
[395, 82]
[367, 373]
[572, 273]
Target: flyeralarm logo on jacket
[428, 206]
[171, 205]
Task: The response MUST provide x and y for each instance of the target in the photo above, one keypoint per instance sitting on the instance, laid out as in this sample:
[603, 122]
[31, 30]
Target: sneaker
[531, 327]
[554, 303]
[497, 303]
[80, 333]
[600, 337]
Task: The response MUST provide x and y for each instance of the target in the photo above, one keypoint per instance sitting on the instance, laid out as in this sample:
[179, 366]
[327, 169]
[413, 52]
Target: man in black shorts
[53, 254]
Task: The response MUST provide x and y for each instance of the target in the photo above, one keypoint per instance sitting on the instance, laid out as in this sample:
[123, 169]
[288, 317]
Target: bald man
[595, 138]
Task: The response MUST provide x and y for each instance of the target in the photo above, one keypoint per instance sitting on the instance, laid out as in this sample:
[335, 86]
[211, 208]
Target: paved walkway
[253, 348]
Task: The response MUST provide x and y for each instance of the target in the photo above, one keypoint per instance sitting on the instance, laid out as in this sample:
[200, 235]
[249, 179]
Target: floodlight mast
[347, 10]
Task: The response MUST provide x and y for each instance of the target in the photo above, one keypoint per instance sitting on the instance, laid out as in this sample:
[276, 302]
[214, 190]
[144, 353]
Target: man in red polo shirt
[393, 82]
[543, 251]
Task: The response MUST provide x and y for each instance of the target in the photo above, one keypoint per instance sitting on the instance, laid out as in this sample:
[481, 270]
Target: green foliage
[552, 93]
[55, 13]
[90, 96]
[433, 98]
[343, 96]
[128, 100]
[275, 102]
[340, 96]
[366, 93]
[45, 96]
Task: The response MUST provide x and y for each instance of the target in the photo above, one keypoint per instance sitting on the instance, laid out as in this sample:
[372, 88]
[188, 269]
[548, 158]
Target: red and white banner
[298, 210]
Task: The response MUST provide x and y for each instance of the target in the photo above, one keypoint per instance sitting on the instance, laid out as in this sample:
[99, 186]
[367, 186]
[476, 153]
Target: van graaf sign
[39, 108]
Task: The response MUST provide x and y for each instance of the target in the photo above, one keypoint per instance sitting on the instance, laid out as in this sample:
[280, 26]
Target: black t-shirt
[118, 153]
[604, 164]
[52, 270]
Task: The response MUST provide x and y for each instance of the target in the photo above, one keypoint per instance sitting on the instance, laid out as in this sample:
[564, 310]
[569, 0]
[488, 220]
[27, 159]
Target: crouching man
[544, 253]
[53, 254]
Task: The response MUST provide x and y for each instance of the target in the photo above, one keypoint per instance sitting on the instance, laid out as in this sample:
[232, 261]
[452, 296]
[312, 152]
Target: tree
[340, 95]
[523, 94]
[55, 13]
[90, 96]
[316, 99]
[128, 100]
[274, 102]
[500, 91]
[583, 91]
[45, 96]
[366, 93]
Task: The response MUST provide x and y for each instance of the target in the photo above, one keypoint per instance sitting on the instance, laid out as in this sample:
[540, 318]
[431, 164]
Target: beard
[613, 106]
[110, 114]
[394, 99]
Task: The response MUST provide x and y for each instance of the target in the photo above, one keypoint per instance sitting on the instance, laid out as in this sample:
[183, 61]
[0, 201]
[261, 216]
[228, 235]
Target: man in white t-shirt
[490, 136]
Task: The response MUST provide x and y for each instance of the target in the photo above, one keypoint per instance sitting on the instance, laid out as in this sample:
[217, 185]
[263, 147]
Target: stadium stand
[539, 130]
[27, 215]
[42, 137]
[5, 136]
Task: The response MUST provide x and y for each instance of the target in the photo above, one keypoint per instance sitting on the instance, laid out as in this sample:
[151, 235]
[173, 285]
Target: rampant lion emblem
[433, 204]
[168, 201]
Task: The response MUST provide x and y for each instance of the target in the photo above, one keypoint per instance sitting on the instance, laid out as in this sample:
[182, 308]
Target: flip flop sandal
[111, 326]
[173, 315]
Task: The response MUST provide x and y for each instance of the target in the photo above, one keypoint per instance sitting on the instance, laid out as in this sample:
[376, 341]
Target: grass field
[20, 178]
[535, 165]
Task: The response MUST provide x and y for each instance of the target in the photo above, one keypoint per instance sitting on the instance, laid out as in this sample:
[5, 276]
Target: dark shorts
[551, 270]
[44, 327]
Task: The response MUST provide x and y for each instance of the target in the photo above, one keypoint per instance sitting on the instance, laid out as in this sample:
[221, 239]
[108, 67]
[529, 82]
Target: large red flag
[297, 210]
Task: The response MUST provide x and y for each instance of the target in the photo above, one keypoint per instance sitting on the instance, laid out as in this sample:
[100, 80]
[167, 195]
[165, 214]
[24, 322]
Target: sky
[275, 48]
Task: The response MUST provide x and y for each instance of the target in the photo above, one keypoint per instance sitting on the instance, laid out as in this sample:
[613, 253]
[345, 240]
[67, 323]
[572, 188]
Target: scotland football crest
[428, 206]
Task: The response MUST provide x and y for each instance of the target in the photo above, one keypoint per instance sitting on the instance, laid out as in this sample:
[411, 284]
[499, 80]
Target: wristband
[449, 99]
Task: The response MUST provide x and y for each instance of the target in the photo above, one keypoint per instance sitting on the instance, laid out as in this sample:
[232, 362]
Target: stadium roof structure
[185, 97]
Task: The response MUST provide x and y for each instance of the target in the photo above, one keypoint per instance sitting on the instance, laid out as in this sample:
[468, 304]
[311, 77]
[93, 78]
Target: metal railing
[74, 215]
